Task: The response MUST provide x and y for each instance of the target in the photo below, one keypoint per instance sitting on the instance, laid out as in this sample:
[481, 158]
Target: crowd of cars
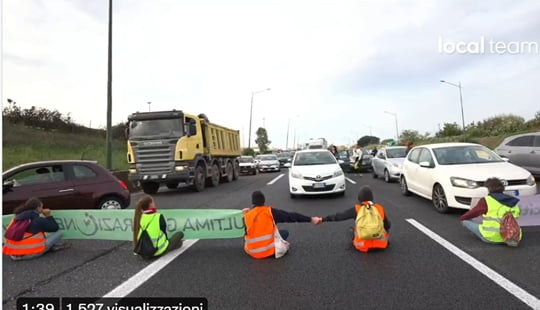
[451, 175]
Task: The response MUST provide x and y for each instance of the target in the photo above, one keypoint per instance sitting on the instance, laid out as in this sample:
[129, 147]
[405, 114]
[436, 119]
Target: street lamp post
[458, 85]
[251, 113]
[149, 103]
[397, 130]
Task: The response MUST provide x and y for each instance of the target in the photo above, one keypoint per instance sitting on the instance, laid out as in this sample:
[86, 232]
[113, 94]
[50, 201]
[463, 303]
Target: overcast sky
[333, 67]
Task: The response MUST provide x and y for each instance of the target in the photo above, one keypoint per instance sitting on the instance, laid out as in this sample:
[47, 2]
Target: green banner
[117, 224]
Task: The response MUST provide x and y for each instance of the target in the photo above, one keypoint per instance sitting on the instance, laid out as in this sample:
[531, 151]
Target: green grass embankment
[21, 144]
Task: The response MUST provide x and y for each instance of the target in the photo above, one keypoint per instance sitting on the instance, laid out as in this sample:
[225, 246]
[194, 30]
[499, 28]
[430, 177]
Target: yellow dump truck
[172, 147]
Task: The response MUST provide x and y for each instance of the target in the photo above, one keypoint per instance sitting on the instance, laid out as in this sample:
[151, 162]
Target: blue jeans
[284, 234]
[50, 241]
[475, 229]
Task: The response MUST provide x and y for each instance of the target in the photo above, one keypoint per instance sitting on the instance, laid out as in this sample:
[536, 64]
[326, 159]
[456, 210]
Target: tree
[367, 140]
[262, 140]
[449, 130]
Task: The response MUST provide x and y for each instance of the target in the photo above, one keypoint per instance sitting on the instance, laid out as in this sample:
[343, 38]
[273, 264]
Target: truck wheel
[213, 180]
[229, 170]
[150, 188]
[199, 178]
[236, 172]
[172, 185]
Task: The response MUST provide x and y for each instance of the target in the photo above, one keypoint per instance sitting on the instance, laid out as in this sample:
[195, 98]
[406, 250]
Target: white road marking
[275, 179]
[506, 284]
[142, 276]
[350, 180]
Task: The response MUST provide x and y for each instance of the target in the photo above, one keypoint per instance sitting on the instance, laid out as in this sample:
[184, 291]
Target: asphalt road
[322, 270]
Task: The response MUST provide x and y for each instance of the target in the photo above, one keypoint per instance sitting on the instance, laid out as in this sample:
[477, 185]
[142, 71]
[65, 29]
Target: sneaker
[60, 247]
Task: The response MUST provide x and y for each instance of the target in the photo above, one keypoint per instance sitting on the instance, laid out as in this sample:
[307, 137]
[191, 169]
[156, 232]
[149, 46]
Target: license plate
[153, 177]
[512, 193]
[319, 185]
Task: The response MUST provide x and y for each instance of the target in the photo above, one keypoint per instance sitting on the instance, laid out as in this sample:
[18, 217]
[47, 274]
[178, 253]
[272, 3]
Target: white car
[387, 162]
[267, 162]
[315, 172]
[452, 174]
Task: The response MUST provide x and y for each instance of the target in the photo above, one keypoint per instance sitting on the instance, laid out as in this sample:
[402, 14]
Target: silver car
[522, 150]
[387, 162]
[268, 162]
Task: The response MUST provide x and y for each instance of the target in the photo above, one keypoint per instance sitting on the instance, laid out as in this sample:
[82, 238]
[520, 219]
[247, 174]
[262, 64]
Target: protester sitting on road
[365, 199]
[146, 216]
[260, 222]
[492, 208]
[35, 242]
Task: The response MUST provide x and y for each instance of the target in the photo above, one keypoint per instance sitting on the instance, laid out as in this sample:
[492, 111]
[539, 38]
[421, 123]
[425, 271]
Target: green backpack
[369, 223]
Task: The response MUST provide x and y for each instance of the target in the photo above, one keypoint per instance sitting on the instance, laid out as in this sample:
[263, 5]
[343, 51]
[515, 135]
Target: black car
[344, 159]
[284, 157]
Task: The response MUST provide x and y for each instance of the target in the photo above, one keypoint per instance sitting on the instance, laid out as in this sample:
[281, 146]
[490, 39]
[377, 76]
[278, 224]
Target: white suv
[315, 172]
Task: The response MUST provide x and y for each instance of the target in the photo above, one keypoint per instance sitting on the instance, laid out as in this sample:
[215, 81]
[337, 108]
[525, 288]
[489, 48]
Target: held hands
[245, 210]
[46, 212]
[316, 220]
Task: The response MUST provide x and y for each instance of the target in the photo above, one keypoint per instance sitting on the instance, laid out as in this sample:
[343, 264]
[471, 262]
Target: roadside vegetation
[39, 134]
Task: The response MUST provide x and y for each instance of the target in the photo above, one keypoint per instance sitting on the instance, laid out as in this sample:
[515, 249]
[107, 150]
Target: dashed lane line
[506, 284]
[275, 179]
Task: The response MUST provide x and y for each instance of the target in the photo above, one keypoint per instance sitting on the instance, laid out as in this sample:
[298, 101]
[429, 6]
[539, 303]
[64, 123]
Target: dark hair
[494, 185]
[31, 204]
[365, 194]
[143, 204]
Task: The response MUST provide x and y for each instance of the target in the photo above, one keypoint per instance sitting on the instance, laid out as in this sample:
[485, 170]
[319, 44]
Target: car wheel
[214, 177]
[150, 188]
[172, 185]
[387, 176]
[256, 172]
[229, 170]
[403, 186]
[199, 178]
[439, 199]
[111, 203]
[236, 170]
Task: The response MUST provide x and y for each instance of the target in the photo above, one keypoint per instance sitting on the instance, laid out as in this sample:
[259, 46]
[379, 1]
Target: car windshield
[396, 153]
[314, 158]
[160, 128]
[343, 155]
[267, 157]
[283, 155]
[461, 155]
[245, 159]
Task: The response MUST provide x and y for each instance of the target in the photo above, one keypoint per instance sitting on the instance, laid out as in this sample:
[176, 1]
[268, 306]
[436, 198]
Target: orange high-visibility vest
[30, 244]
[260, 227]
[364, 245]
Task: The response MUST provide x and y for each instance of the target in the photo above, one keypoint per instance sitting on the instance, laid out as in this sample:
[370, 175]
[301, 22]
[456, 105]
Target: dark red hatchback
[64, 184]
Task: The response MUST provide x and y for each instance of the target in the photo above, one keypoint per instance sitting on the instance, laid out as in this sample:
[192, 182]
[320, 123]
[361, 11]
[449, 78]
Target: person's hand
[245, 210]
[316, 220]
[46, 212]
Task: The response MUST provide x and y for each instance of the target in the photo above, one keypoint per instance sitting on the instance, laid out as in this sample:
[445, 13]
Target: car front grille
[510, 182]
[321, 189]
[318, 178]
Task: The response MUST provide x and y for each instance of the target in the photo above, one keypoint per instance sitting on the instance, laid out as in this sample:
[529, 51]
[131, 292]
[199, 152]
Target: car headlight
[338, 173]
[460, 182]
[531, 181]
[296, 174]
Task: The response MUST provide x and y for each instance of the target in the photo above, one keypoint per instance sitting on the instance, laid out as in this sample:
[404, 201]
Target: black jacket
[38, 224]
[351, 214]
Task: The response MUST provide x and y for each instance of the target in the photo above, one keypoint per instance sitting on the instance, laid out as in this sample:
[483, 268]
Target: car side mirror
[7, 185]
[340, 161]
[426, 164]
[287, 165]
[506, 159]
